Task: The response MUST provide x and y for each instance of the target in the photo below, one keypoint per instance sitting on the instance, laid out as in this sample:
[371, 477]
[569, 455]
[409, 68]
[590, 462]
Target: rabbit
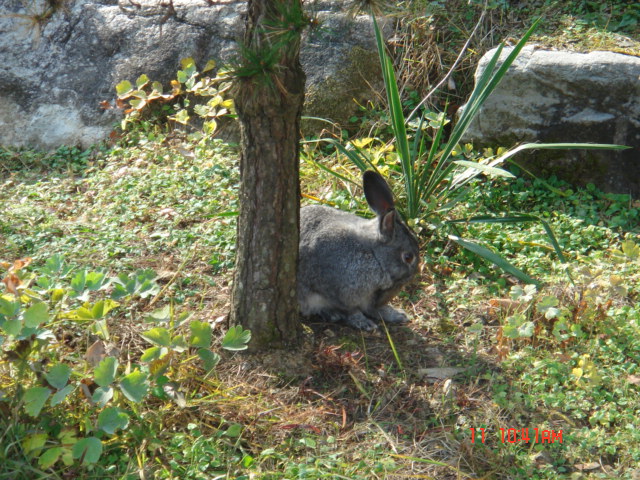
[349, 267]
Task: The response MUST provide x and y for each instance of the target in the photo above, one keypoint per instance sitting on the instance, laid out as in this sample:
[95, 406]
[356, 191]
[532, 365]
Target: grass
[345, 406]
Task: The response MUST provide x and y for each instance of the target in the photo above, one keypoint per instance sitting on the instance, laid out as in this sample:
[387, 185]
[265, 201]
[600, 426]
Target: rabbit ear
[387, 225]
[377, 193]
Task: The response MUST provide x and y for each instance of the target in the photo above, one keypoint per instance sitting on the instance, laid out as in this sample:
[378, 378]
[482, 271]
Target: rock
[55, 74]
[559, 96]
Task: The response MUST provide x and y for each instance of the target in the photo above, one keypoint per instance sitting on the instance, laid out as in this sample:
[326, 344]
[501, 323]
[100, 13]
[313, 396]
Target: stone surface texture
[55, 75]
[559, 96]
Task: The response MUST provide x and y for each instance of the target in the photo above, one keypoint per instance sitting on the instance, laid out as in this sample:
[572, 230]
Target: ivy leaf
[525, 330]
[200, 334]
[105, 372]
[8, 308]
[236, 339]
[34, 400]
[209, 359]
[630, 249]
[112, 419]
[234, 430]
[49, 457]
[160, 315]
[158, 336]
[547, 306]
[34, 442]
[58, 375]
[151, 354]
[78, 282]
[142, 81]
[13, 327]
[181, 117]
[36, 315]
[123, 88]
[88, 449]
[102, 395]
[95, 280]
[211, 64]
[134, 386]
[60, 395]
[510, 331]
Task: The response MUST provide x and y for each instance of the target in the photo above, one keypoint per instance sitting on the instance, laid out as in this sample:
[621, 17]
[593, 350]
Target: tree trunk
[269, 97]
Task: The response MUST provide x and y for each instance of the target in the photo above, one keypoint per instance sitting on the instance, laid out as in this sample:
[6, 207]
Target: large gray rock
[54, 76]
[558, 96]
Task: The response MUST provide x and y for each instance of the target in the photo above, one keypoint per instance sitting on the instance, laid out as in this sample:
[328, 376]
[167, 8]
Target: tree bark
[269, 104]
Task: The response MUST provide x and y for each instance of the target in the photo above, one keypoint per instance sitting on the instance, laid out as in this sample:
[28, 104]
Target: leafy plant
[75, 403]
[436, 174]
[193, 93]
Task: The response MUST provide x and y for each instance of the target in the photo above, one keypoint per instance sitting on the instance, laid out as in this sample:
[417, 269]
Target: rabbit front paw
[392, 315]
[360, 321]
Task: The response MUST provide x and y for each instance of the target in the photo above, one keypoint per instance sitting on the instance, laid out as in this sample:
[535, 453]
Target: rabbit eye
[407, 257]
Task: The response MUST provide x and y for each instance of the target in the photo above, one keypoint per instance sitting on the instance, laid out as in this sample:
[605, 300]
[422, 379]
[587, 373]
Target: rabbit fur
[350, 267]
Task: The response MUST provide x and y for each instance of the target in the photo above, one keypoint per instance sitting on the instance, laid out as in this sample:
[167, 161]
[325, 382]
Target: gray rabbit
[350, 267]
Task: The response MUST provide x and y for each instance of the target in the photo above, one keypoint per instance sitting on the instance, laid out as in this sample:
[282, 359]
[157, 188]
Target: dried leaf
[95, 353]
[12, 282]
[633, 379]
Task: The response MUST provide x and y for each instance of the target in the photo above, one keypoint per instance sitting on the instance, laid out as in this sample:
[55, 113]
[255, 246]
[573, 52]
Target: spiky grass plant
[435, 178]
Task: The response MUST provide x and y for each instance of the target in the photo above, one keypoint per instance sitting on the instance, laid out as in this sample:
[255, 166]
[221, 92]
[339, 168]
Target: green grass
[342, 407]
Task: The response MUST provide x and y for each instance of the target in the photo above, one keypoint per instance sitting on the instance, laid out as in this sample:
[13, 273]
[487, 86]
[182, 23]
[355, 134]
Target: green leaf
[211, 64]
[78, 281]
[151, 354]
[58, 375]
[99, 327]
[179, 343]
[142, 81]
[34, 400]
[138, 103]
[181, 117]
[210, 126]
[547, 306]
[105, 372]
[53, 265]
[493, 258]
[88, 449]
[124, 88]
[200, 334]
[60, 395]
[102, 395]
[526, 329]
[34, 442]
[157, 88]
[36, 315]
[135, 386]
[13, 327]
[510, 331]
[630, 249]
[187, 63]
[95, 280]
[49, 457]
[490, 171]
[234, 430]
[8, 308]
[160, 315]
[112, 419]
[236, 338]
[158, 336]
[209, 359]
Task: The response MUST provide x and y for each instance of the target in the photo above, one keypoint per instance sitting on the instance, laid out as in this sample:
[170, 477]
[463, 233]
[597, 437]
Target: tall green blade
[494, 258]
[397, 117]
